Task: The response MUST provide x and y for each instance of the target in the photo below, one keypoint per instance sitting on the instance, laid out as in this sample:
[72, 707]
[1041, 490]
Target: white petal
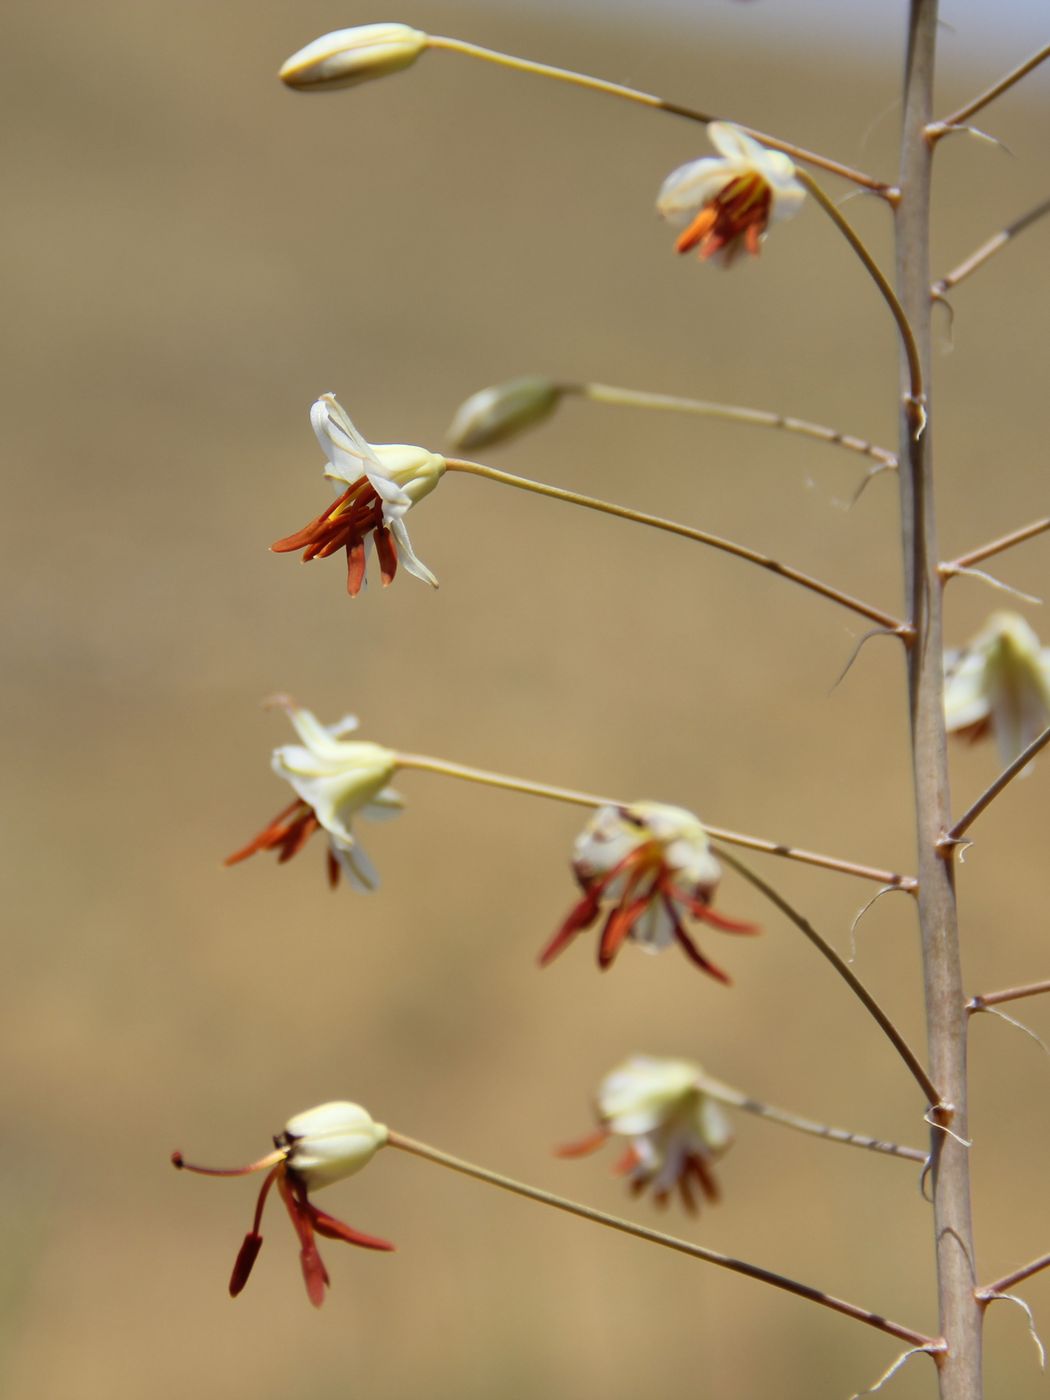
[388, 491]
[407, 555]
[736, 146]
[966, 695]
[689, 188]
[356, 866]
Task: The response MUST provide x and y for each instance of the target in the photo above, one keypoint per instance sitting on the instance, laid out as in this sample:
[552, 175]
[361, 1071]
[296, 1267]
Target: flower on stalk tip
[654, 866]
[999, 683]
[674, 1130]
[382, 483]
[316, 1148]
[350, 56]
[727, 202]
[333, 777]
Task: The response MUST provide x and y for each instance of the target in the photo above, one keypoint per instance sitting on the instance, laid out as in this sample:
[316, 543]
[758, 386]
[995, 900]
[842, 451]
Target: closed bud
[349, 56]
[500, 412]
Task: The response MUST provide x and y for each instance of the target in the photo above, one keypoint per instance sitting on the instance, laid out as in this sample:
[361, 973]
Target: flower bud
[349, 56]
[331, 1141]
[500, 412]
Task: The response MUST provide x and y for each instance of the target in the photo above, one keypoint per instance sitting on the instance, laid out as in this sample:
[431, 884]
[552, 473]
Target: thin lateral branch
[856, 986]
[987, 999]
[938, 129]
[648, 99]
[980, 255]
[907, 334]
[641, 1232]
[1018, 1276]
[761, 418]
[996, 546]
[990, 794]
[753, 556]
[424, 763]
[737, 1099]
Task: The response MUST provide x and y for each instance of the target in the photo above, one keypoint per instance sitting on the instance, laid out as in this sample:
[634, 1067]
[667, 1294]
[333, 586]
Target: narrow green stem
[917, 391]
[938, 129]
[761, 418]
[986, 999]
[424, 763]
[648, 99]
[856, 986]
[1020, 763]
[980, 255]
[628, 1227]
[996, 546]
[737, 1099]
[753, 556]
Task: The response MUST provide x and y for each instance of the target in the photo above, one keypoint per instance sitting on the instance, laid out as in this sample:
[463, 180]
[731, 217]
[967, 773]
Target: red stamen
[585, 1146]
[333, 1229]
[690, 949]
[703, 1174]
[686, 1193]
[315, 1275]
[334, 869]
[619, 924]
[273, 835]
[735, 218]
[386, 552]
[581, 916]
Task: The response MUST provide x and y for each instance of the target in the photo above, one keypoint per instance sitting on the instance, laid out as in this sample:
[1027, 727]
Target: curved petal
[407, 554]
[732, 143]
[690, 187]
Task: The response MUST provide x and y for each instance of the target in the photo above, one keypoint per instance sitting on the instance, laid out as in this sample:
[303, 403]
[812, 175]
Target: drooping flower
[674, 1129]
[333, 778]
[316, 1148]
[350, 56]
[654, 865]
[727, 202]
[999, 684]
[382, 483]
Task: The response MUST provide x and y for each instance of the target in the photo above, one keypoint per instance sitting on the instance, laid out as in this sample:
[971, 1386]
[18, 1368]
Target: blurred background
[192, 254]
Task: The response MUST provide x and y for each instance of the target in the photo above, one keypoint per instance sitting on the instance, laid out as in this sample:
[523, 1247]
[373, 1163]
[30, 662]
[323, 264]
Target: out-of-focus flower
[727, 202]
[674, 1129]
[382, 483]
[316, 1148]
[333, 778]
[500, 412]
[654, 865]
[349, 56]
[999, 683]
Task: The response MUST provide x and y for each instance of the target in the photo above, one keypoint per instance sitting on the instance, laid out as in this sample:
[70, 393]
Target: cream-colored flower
[654, 865]
[349, 56]
[674, 1129]
[333, 778]
[316, 1148]
[383, 483]
[728, 201]
[999, 683]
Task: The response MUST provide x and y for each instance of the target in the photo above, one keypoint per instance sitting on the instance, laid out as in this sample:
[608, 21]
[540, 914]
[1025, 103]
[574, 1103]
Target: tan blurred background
[192, 254]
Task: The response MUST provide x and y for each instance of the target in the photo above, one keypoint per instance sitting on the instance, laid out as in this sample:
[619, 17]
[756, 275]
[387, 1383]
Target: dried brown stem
[951, 837]
[996, 546]
[641, 1232]
[988, 1292]
[987, 999]
[991, 246]
[936, 130]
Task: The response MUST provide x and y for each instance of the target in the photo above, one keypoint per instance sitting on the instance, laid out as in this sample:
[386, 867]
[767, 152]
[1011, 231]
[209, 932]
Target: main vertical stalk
[960, 1314]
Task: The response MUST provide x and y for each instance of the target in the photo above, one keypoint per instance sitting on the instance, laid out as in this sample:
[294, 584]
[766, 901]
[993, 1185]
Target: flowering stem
[986, 999]
[981, 255]
[847, 974]
[1006, 776]
[627, 1227]
[910, 345]
[959, 1368]
[892, 624]
[986, 1293]
[965, 561]
[938, 129]
[587, 799]
[736, 1099]
[648, 99]
[635, 398]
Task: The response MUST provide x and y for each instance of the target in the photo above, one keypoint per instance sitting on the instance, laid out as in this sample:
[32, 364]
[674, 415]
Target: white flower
[999, 683]
[674, 1129]
[333, 778]
[728, 201]
[322, 1145]
[330, 1142]
[349, 56]
[383, 483]
[654, 865]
